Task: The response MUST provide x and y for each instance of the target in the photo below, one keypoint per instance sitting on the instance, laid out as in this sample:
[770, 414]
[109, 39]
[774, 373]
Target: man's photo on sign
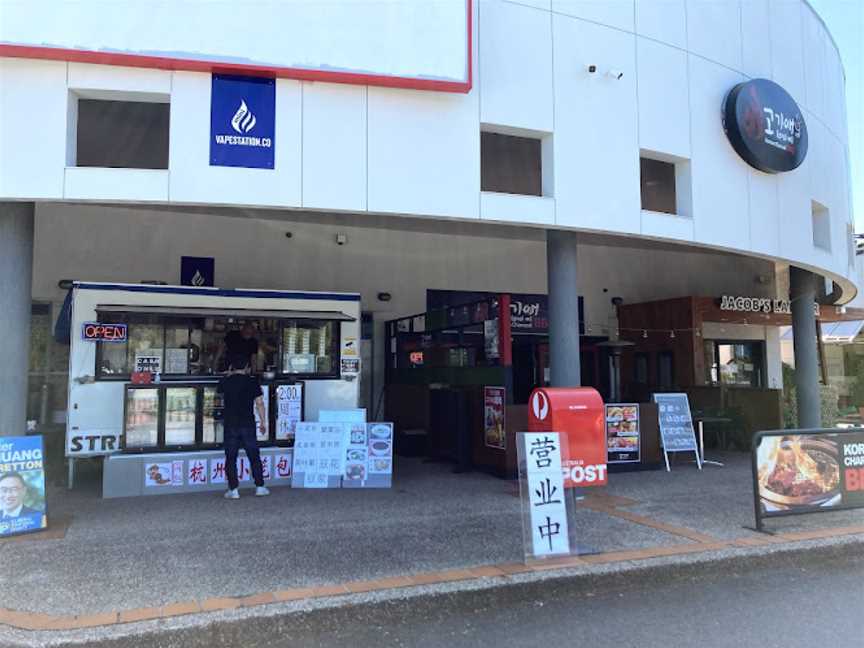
[22, 501]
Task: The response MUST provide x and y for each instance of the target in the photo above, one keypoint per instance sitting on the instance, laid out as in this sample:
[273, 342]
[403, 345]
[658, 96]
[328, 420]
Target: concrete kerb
[203, 628]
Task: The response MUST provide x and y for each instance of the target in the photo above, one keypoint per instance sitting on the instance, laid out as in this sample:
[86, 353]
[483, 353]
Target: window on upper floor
[821, 218]
[658, 185]
[120, 134]
[511, 164]
[664, 183]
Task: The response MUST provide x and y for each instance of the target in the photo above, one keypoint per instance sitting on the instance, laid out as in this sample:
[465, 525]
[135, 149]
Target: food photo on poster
[493, 417]
[22, 486]
[800, 473]
[622, 433]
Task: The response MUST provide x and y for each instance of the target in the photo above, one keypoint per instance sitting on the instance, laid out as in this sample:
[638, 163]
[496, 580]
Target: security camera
[341, 239]
[617, 301]
[615, 74]
[591, 69]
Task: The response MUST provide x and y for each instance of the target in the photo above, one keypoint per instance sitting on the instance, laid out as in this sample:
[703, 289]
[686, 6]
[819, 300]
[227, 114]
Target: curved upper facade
[661, 71]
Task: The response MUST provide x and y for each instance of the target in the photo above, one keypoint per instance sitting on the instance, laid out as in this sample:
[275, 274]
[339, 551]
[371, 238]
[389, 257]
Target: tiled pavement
[448, 528]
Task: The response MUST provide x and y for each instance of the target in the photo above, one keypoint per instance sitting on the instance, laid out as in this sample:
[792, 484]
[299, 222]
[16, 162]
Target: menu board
[622, 433]
[676, 425]
[493, 417]
[289, 410]
[369, 457]
[319, 455]
[177, 361]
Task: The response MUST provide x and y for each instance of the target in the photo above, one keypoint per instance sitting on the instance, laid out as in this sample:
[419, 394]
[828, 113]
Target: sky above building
[845, 21]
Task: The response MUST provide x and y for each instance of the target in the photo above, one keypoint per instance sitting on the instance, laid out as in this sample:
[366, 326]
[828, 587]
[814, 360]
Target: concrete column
[562, 279]
[16, 270]
[802, 293]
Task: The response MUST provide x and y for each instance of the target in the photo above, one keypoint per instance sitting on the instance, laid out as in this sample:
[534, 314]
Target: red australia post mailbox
[577, 412]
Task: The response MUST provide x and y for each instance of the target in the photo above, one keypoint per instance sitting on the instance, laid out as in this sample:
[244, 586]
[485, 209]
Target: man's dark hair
[238, 361]
[13, 475]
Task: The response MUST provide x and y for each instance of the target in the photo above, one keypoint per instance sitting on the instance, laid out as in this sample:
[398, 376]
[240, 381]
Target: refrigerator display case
[185, 416]
[213, 431]
[141, 425]
[180, 416]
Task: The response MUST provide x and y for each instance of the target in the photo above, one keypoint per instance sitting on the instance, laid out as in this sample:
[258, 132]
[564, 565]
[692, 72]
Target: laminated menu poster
[22, 485]
[369, 456]
[159, 474]
[622, 432]
[493, 417]
[289, 410]
[265, 394]
[319, 455]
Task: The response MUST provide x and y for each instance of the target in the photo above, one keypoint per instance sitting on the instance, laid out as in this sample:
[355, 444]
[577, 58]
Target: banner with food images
[801, 473]
[494, 417]
[622, 433]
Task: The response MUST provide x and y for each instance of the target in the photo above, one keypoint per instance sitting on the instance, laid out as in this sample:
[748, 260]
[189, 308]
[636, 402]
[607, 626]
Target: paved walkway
[110, 562]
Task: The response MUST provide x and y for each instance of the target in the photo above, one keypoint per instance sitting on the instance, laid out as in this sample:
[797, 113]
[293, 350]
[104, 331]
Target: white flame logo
[243, 120]
[540, 405]
[197, 279]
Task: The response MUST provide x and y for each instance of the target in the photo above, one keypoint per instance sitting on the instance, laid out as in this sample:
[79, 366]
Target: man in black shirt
[240, 392]
[243, 342]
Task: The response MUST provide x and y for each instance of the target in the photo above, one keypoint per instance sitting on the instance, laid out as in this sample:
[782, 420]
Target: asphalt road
[801, 600]
[820, 604]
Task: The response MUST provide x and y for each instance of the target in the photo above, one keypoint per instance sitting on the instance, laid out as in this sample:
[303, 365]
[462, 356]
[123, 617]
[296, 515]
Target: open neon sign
[99, 332]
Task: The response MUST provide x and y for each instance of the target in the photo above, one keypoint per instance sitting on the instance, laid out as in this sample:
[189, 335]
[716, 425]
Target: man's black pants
[242, 437]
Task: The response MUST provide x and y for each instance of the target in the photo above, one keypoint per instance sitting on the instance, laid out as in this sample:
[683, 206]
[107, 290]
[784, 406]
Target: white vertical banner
[546, 529]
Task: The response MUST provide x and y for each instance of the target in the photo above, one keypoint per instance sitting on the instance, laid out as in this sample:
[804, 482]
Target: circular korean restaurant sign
[765, 126]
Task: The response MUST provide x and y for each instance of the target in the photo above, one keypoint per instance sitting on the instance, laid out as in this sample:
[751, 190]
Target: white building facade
[384, 145]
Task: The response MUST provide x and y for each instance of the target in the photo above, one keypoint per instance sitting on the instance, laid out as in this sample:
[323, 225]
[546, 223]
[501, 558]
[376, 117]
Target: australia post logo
[540, 406]
[242, 122]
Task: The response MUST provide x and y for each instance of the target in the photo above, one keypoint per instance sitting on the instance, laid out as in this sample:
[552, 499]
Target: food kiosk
[145, 361]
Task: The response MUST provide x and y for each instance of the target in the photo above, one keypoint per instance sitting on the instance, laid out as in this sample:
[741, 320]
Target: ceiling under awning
[240, 313]
[833, 332]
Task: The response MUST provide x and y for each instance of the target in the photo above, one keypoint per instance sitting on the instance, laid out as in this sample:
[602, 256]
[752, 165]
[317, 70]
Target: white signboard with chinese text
[188, 472]
[319, 455]
[546, 529]
[289, 410]
[343, 416]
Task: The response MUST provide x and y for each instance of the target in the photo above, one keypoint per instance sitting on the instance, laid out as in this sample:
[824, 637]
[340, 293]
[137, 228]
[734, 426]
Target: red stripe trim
[193, 65]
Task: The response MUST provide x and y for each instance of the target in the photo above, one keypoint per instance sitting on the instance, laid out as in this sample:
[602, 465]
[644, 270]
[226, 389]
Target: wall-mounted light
[65, 284]
[384, 296]
[341, 239]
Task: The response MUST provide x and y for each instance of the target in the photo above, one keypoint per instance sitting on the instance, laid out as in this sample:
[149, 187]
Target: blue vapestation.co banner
[197, 271]
[22, 485]
[242, 122]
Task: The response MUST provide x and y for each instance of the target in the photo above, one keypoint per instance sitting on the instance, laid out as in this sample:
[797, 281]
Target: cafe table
[701, 420]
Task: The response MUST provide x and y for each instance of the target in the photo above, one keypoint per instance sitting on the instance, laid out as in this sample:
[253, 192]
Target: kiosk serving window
[181, 347]
[309, 348]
